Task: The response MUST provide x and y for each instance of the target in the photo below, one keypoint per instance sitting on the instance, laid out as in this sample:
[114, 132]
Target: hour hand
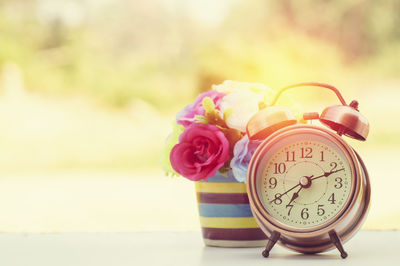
[294, 196]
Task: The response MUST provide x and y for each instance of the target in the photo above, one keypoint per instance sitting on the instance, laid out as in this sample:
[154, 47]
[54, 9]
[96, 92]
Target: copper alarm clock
[308, 189]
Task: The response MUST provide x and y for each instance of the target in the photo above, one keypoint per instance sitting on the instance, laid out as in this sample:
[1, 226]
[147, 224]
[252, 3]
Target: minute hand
[327, 174]
[287, 191]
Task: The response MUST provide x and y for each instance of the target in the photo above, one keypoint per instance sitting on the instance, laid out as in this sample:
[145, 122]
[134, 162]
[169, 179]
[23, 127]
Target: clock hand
[294, 196]
[327, 174]
[285, 192]
[309, 178]
[305, 182]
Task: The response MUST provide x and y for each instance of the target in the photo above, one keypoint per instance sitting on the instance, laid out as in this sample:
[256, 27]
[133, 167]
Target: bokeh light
[89, 89]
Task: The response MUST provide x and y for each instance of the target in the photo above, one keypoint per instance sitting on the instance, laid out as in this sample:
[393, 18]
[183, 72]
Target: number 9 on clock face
[305, 180]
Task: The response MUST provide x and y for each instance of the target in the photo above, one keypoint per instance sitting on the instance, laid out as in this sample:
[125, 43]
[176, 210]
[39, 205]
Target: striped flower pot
[225, 214]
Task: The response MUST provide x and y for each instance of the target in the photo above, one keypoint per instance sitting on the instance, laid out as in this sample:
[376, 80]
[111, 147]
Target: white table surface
[378, 248]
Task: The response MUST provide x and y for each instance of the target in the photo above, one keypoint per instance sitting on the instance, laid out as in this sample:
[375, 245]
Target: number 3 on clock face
[308, 189]
[304, 183]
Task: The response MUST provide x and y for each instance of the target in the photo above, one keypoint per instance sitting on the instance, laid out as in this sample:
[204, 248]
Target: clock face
[305, 180]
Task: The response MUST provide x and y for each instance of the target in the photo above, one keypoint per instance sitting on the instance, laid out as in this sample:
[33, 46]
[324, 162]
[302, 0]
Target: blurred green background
[89, 88]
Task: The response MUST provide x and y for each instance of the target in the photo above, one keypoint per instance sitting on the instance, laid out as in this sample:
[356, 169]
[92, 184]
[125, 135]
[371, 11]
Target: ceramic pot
[225, 214]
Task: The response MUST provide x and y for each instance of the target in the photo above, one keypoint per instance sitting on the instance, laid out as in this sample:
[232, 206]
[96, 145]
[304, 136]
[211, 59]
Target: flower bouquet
[209, 145]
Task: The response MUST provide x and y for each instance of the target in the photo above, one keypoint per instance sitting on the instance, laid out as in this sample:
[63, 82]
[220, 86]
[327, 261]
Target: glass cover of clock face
[305, 180]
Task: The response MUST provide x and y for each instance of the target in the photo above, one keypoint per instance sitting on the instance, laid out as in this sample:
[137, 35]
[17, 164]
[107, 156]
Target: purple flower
[186, 116]
[242, 153]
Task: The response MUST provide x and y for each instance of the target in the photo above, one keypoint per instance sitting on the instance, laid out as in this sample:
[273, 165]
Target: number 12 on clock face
[306, 185]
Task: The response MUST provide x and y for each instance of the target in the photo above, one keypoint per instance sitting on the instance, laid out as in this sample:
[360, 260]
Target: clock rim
[272, 223]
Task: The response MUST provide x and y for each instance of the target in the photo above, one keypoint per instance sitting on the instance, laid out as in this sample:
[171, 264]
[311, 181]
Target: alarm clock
[308, 189]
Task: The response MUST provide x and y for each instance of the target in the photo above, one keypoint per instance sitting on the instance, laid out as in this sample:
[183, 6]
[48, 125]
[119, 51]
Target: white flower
[229, 86]
[242, 100]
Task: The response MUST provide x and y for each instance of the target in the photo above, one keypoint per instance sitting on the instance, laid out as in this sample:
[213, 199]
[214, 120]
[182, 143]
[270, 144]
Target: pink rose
[201, 151]
[186, 116]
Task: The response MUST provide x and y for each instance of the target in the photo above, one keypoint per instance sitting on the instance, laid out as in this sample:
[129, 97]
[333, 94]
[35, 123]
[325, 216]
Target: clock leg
[336, 240]
[272, 240]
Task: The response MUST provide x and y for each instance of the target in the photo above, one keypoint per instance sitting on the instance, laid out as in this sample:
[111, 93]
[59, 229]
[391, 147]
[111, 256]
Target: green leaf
[212, 116]
[208, 105]
[201, 119]
[171, 141]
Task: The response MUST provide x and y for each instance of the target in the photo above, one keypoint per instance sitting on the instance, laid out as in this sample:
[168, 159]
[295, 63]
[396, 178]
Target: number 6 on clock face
[308, 189]
[302, 183]
[317, 169]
